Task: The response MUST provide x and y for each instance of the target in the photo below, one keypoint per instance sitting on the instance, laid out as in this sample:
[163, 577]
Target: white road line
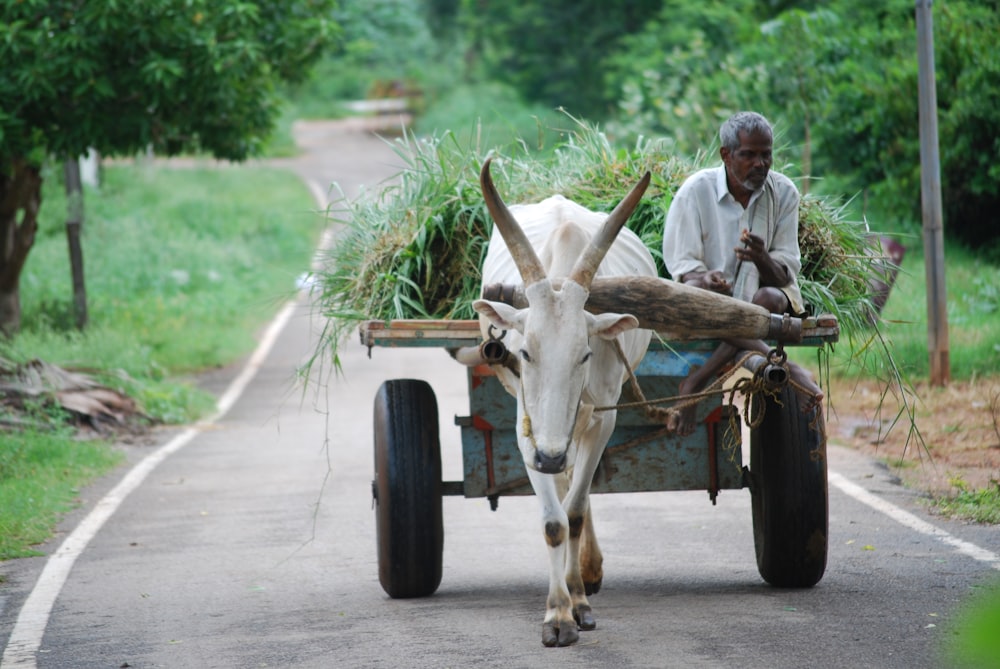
[26, 637]
[914, 523]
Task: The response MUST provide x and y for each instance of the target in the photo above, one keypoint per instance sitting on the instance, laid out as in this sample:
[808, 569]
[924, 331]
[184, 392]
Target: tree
[839, 79]
[679, 77]
[874, 112]
[124, 76]
[554, 53]
[795, 45]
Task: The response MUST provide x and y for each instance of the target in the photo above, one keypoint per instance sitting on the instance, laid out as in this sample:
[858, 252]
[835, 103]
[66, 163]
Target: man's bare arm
[753, 250]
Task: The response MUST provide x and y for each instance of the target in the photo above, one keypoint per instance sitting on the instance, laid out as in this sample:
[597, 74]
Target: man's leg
[683, 421]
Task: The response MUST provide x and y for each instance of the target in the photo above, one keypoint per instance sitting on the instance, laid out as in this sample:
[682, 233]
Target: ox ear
[501, 314]
[609, 326]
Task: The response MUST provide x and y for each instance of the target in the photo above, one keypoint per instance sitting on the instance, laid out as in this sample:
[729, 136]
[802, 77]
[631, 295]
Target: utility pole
[930, 199]
[74, 223]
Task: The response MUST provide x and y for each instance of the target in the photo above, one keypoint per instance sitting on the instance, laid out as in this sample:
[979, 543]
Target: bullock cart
[786, 475]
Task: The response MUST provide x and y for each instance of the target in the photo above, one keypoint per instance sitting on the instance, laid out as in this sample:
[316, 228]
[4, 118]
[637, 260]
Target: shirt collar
[722, 187]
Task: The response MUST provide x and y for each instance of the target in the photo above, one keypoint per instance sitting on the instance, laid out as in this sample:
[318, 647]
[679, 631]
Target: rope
[750, 387]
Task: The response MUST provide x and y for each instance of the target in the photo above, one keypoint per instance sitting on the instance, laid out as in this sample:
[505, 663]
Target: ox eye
[586, 356]
[524, 354]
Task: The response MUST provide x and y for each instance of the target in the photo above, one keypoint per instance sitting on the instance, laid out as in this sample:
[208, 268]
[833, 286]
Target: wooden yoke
[674, 310]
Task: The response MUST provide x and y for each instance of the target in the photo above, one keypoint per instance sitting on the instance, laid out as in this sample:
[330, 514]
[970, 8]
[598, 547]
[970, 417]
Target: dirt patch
[956, 439]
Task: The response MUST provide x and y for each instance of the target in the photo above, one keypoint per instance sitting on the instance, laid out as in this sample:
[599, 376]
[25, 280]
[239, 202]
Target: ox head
[555, 354]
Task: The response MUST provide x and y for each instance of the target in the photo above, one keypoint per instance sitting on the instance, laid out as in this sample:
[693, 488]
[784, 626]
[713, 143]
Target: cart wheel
[407, 489]
[788, 488]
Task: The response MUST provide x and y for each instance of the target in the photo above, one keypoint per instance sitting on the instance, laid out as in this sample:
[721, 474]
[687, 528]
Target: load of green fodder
[415, 249]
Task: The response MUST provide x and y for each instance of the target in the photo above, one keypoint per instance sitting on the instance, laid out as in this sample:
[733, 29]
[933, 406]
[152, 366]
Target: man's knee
[772, 299]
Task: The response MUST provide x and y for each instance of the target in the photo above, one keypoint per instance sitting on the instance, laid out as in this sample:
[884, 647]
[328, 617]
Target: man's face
[748, 165]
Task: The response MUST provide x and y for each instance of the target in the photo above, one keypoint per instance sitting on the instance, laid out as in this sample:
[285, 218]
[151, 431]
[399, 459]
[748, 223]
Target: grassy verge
[973, 327]
[183, 266]
[980, 506]
[973, 307]
[40, 475]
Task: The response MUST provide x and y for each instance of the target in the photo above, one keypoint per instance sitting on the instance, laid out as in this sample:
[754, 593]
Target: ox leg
[559, 627]
[591, 559]
[584, 560]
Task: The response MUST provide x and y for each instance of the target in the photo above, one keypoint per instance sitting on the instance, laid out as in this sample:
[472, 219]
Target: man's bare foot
[682, 420]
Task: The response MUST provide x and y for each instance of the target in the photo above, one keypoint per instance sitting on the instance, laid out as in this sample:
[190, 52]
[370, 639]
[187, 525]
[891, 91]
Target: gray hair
[744, 121]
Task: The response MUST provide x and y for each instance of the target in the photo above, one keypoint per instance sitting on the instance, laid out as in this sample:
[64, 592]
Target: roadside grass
[183, 266]
[979, 506]
[974, 350]
[973, 312]
[40, 477]
[973, 324]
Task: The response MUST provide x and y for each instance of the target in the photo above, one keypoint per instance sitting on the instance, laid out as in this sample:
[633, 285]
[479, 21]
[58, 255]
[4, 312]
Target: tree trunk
[74, 228]
[807, 161]
[20, 200]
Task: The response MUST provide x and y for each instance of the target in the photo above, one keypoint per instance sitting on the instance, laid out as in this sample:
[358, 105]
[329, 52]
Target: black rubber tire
[789, 493]
[407, 489]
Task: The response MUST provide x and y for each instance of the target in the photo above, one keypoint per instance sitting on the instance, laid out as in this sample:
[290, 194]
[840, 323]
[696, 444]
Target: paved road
[252, 545]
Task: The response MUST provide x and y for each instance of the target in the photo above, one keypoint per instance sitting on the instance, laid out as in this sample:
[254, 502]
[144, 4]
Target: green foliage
[490, 115]
[679, 78]
[183, 266]
[968, 78]
[873, 111]
[972, 641]
[980, 506]
[839, 80]
[39, 473]
[553, 53]
[167, 74]
[382, 42]
[442, 17]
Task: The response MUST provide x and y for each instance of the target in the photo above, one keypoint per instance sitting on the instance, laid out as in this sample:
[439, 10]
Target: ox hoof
[559, 634]
[585, 617]
[593, 588]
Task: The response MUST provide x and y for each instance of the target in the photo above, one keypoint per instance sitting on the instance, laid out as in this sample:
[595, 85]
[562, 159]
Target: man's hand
[754, 250]
[714, 281]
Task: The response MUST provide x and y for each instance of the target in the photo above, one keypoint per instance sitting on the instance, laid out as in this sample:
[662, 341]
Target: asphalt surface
[253, 545]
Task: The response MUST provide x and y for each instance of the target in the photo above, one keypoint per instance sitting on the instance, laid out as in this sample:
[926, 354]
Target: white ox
[566, 364]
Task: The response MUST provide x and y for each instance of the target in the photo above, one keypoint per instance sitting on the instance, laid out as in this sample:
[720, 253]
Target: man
[734, 230]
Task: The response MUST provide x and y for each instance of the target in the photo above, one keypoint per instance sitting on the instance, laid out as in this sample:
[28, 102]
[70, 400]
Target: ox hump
[563, 247]
[627, 256]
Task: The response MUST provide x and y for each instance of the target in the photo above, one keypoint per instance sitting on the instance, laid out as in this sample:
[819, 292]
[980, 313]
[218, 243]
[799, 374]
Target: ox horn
[586, 267]
[520, 248]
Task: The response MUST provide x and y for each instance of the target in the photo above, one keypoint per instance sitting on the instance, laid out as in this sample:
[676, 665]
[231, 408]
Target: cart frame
[787, 475]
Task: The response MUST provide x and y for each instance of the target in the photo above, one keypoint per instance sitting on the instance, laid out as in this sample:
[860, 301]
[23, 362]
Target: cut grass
[416, 250]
